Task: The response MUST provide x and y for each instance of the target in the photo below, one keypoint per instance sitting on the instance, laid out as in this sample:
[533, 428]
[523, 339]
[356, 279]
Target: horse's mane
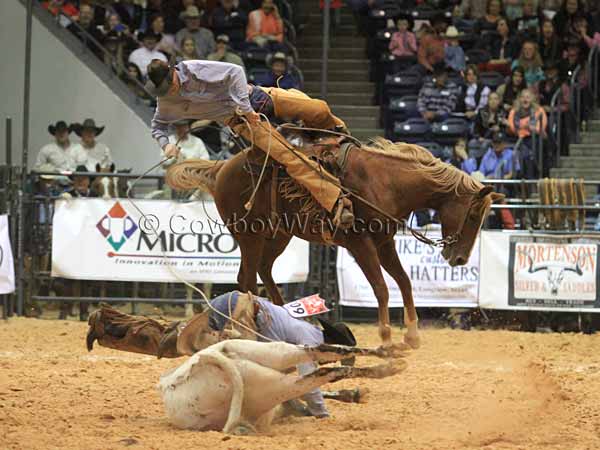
[446, 177]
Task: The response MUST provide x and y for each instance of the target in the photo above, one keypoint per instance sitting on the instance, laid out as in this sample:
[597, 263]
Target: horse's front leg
[272, 249]
[391, 263]
[365, 253]
[251, 248]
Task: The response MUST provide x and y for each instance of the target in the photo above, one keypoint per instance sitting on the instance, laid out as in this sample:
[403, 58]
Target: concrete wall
[62, 87]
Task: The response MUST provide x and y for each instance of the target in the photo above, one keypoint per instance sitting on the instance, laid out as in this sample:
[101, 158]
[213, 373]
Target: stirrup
[343, 217]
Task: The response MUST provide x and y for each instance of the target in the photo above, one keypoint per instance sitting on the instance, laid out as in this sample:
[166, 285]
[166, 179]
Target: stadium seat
[450, 130]
[255, 56]
[399, 109]
[491, 79]
[257, 73]
[426, 12]
[477, 56]
[412, 130]
[402, 83]
[434, 148]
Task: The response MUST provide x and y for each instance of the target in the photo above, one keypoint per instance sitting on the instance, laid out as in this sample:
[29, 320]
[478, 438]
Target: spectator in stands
[203, 37]
[460, 159]
[593, 41]
[437, 98]
[223, 53]
[230, 20]
[58, 154]
[549, 8]
[113, 43]
[498, 162]
[404, 41]
[513, 9]
[510, 91]
[89, 152]
[265, 27]
[86, 23]
[454, 55]
[130, 13]
[167, 41]
[531, 61]
[279, 75]
[490, 119]
[431, 50]
[489, 21]
[80, 186]
[547, 88]
[571, 59]
[191, 146]
[501, 46]
[564, 19]
[147, 52]
[471, 9]
[526, 118]
[130, 77]
[549, 45]
[188, 50]
[474, 95]
[528, 24]
[62, 6]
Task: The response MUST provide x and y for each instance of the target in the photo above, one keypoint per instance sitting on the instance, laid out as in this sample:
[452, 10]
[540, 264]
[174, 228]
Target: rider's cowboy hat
[160, 78]
[337, 333]
[88, 124]
[61, 125]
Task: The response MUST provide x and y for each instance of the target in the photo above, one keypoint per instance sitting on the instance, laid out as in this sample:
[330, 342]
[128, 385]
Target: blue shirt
[497, 166]
[275, 323]
[454, 57]
[287, 81]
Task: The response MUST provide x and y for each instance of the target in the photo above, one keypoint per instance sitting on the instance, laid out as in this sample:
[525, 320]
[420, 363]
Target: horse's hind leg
[391, 263]
[272, 249]
[251, 248]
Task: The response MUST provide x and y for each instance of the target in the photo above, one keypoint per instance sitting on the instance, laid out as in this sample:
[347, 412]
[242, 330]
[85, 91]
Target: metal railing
[575, 102]
[593, 72]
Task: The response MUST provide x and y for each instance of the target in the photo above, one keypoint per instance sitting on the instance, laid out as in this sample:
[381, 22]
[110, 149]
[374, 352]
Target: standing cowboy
[89, 152]
[57, 156]
[219, 91]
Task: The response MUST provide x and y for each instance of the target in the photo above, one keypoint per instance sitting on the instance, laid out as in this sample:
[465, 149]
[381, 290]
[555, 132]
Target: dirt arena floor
[462, 390]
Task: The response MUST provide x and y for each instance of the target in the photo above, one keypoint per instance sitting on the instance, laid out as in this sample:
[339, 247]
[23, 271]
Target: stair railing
[593, 72]
[114, 62]
[555, 124]
[575, 102]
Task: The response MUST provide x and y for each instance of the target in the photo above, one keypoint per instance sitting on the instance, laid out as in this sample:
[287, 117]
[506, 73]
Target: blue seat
[257, 73]
[399, 109]
[450, 130]
[412, 130]
[255, 56]
[402, 83]
[434, 148]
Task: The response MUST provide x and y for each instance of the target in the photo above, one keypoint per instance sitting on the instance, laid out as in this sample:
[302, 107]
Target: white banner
[539, 272]
[94, 239]
[7, 267]
[434, 282]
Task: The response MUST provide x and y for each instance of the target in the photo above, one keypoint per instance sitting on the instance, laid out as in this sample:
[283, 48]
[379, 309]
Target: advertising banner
[7, 268]
[434, 282]
[94, 239]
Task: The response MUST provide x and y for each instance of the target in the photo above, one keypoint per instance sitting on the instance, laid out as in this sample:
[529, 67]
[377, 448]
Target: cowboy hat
[47, 168]
[78, 171]
[337, 333]
[222, 38]
[61, 125]
[87, 124]
[160, 77]
[452, 33]
[191, 12]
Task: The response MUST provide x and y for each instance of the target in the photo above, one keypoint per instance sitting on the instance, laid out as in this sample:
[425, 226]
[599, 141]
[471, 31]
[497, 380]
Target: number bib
[307, 306]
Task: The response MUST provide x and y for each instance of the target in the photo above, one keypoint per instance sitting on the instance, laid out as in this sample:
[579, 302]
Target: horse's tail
[194, 174]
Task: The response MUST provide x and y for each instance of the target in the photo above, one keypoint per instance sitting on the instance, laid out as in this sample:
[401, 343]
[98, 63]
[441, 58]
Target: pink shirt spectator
[403, 44]
[592, 41]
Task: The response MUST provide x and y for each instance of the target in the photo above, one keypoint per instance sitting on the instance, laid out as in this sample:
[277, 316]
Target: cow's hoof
[413, 341]
[243, 429]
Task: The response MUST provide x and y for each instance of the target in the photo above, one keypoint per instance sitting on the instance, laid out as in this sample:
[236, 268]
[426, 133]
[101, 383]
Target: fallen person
[142, 335]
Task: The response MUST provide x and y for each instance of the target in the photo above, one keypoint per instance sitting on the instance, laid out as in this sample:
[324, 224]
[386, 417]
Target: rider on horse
[219, 91]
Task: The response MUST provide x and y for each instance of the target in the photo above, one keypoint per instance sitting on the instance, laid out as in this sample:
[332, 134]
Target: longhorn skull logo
[556, 272]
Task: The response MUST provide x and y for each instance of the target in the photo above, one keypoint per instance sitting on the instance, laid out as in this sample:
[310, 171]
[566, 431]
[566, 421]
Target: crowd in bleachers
[479, 70]
[251, 33]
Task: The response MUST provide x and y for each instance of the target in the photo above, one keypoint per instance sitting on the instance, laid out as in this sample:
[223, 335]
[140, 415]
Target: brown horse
[398, 178]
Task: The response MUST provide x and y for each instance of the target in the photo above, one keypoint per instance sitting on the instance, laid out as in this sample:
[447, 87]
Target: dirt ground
[462, 390]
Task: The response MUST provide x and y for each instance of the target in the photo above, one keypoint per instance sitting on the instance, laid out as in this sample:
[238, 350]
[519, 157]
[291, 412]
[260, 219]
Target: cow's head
[555, 272]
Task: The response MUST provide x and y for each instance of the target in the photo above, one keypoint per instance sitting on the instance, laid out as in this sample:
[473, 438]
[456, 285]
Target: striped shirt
[438, 100]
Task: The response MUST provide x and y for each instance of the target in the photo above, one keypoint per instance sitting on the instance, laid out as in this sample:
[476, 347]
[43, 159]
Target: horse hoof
[413, 341]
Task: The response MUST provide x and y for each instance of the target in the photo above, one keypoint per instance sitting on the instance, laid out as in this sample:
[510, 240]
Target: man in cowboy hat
[89, 152]
[223, 53]
[190, 146]
[454, 55]
[219, 91]
[147, 52]
[81, 184]
[205, 41]
[58, 155]
[279, 75]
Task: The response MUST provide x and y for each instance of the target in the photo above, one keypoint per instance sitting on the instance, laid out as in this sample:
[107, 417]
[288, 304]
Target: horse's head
[105, 186]
[462, 220]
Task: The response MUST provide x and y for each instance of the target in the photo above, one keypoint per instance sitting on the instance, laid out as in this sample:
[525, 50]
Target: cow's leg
[251, 248]
[365, 254]
[391, 263]
[272, 249]
[282, 356]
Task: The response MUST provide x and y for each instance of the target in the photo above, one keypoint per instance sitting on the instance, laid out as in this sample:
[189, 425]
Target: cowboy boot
[343, 217]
